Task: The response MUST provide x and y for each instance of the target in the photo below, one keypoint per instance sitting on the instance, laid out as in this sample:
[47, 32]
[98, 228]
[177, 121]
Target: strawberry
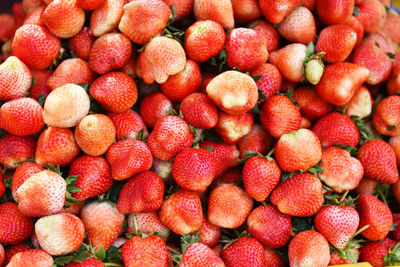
[103, 223]
[23, 173]
[36, 17]
[228, 206]
[233, 92]
[246, 49]
[391, 26]
[336, 259]
[127, 124]
[29, 6]
[89, 4]
[298, 150]
[82, 43]
[144, 19]
[89, 262]
[376, 252]
[386, 118]
[184, 83]
[298, 26]
[379, 161]
[269, 32]
[221, 12]
[182, 212]
[198, 254]
[106, 18]
[232, 128]
[245, 11]
[209, 234]
[42, 194]
[73, 70]
[160, 143]
[73, 208]
[381, 40]
[260, 176]
[371, 14]
[194, 169]
[182, 8]
[56, 146]
[64, 18]
[11, 250]
[18, 13]
[346, 76]
[273, 235]
[300, 195]
[22, 116]
[395, 144]
[393, 83]
[119, 50]
[94, 134]
[356, 25]
[153, 106]
[149, 251]
[270, 81]
[280, 116]
[396, 191]
[142, 193]
[336, 129]
[66, 106]
[361, 103]
[226, 156]
[376, 214]
[15, 227]
[2, 186]
[335, 12]
[337, 41]
[203, 40]
[15, 78]
[276, 11]
[258, 140]
[33, 258]
[341, 171]
[7, 23]
[147, 223]
[59, 234]
[289, 60]
[36, 46]
[396, 232]
[154, 67]
[199, 111]
[16, 149]
[272, 259]
[309, 248]
[310, 104]
[245, 251]
[40, 87]
[93, 176]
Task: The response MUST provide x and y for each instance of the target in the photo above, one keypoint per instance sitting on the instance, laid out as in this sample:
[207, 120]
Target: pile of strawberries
[154, 133]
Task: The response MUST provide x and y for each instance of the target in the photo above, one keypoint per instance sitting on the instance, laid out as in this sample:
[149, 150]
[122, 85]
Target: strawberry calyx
[69, 199]
[137, 232]
[393, 258]
[186, 241]
[85, 251]
[382, 192]
[228, 237]
[366, 131]
[350, 252]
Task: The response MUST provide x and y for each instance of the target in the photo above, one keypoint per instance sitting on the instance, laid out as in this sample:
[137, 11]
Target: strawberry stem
[174, 251]
[271, 152]
[343, 197]
[136, 225]
[360, 230]
[109, 264]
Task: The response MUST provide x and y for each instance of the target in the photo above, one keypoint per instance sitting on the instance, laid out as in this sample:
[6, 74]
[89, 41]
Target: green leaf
[256, 110]
[252, 153]
[210, 149]
[140, 136]
[393, 259]
[41, 99]
[81, 255]
[310, 50]
[61, 261]
[356, 10]
[391, 55]
[261, 96]
[351, 149]
[186, 240]
[54, 169]
[316, 169]
[286, 175]
[85, 86]
[101, 254]
[34, 79]
[70, 180]
[257, 77]
[393, 227]
[73, 189]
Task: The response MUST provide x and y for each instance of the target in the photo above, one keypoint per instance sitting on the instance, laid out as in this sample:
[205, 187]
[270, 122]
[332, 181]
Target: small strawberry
[82, 43]
[269, 32]
[335, 12]
[153, 106]
[232, 128]
[386, 116]
[377, 253]
[16, 149]
[15, 227]
[371, 14]
[310, 104]
[142, 193]
[272, 235]
[199, 111]
[360, 104]
[309, 248]
[33, 258]
[197, 254]
[258, 140]
[376, 214]
[245, 11]
[270, 81]
[209, 233]
[221, 12]
[300, 195]
[23, 173]
[147, 223]
[245, 251]
[106, 18]
[275, 11]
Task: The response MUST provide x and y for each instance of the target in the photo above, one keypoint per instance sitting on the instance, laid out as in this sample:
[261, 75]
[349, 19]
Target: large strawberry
[14, 226]
[245, 251]
[33, 258]
[15, 78]
[23, 173]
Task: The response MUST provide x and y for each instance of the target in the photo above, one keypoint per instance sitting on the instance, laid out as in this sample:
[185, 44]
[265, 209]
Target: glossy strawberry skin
[374, 252]
[386, 116]
[334, 12]
[16, 149]
[226, 156]
[246, 251]
[14, 227]
[153, 106]
[23, 173]
[310, 104]
[82, 43]
[128, 124]
[199, 111]
[276, 11]
[270, 81]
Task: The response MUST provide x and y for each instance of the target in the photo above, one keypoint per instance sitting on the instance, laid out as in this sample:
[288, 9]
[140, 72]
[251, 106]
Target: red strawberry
[198, 254]
[150, 251]
[15, 227]
[356, 25]
[310, 104]
[11, 250]
[160, 143]
[94, 176]
[381, 40]
[89, 262]
[228, 206]
[2, 186]
[182, 8]
[396, 191]
[182, 212]
[336, 129]
[90, 4]
[336, 259]
[199, 111]
[142, 193]
[272, 259]
[146, 223]
[289, 60]
[204, 39]
[36, 17]
[386, 116]
[371, 14]
[337, 41]
[309, 248]
[209, 233]
[280, 116]
[376, 214]
[18, 13]
[221, 12]
[396, 232]
[300, 195]
[246, 49]
[8, 26]
[260, 176]
[232, 128]
[275, 11]
[245, 251]
[298, 26]
[245, 11]
[391, 26]
[395, 144]
[267, 30]
[23, 173]
[375, 252]
[270, 81]
[106, 18]
[361, 103]
[103, 223]
[15, 78]
[272, 235]
[82, 43]
[184, 83]
[346, 76]
[258, 140]
[335, 12]
[40, 87]
[22, 116]
[393, 83]
[56, 146]
[127, 124]
[379, 161]
[153, 106]
[298, 150]
[33, 258]
[16, 149]
[59, 234]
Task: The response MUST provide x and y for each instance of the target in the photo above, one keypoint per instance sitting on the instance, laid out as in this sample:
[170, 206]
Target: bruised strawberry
[147, 223]
[22, 116]
[198, 254]
[106, 18]
[361, 103]
[336, 129]
[199, 111]
[335, 12]
[31, 257]
[310, 104]
[221, 12]
[89, 4]
[144, 19]
[267, 30]
[375, 252]
[228, 206]
[15, 227]
[245, 251]
[182, 212]
[15, 78]
[275, 11]
[16, 149]
[270, 81]
[371, 14]
[82, 43]
[103, 223]
[300, 195]
[153, 106]
[386, 116]
[245, 11]
[272, 235]
[226, 156]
